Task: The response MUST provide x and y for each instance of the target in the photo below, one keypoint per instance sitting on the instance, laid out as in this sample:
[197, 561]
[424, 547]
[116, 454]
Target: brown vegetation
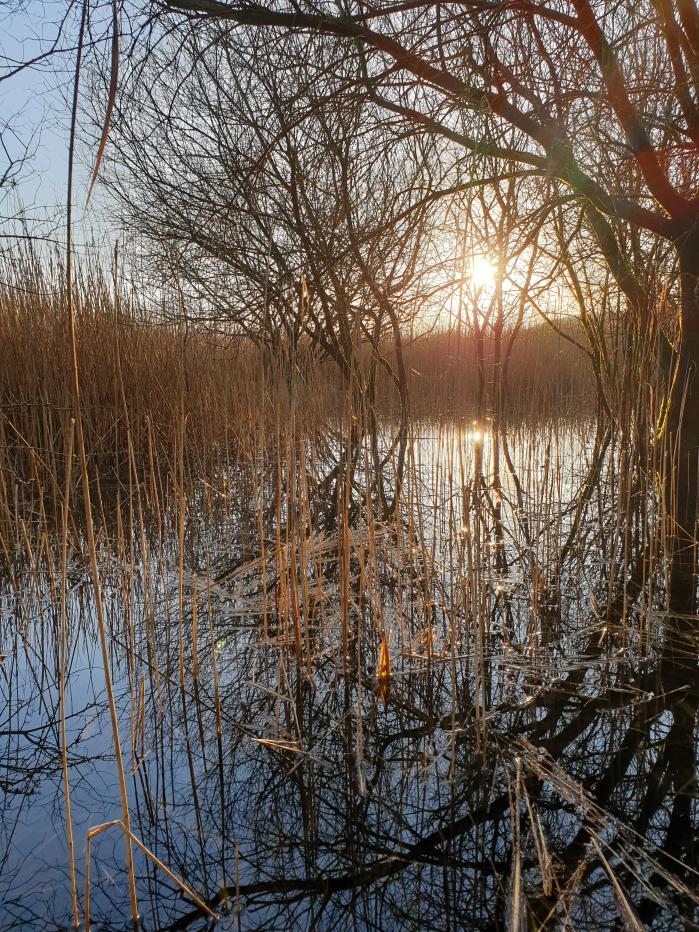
[141, 376]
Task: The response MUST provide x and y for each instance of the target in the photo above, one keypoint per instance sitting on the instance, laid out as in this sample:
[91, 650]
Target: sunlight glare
[482, 272]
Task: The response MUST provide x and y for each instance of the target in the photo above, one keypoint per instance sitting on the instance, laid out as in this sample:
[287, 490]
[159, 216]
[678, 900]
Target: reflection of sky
[35, 116]
[302, 813]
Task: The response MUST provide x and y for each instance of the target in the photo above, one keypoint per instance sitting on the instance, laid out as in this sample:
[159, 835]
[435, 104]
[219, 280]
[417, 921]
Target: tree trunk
[683, 424]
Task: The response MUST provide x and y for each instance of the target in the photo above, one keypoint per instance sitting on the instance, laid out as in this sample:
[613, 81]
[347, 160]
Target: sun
[482, 272]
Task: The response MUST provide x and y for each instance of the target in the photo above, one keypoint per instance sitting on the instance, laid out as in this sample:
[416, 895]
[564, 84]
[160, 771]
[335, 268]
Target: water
[525, 757]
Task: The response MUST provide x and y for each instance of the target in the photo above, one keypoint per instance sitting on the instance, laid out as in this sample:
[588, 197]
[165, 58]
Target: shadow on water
[434, 687]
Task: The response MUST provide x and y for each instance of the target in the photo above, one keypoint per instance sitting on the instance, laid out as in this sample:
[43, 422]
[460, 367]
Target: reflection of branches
[334, 792]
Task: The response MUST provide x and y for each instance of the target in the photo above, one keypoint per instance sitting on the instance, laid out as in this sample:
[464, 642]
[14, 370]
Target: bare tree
[604, 99]
[283, 216]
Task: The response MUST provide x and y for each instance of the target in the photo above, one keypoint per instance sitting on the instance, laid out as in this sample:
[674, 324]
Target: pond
[360, 683]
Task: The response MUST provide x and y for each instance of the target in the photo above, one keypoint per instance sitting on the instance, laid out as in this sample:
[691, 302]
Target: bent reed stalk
[87, 502]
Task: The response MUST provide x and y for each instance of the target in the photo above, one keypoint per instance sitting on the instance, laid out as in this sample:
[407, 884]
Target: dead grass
[142, 378]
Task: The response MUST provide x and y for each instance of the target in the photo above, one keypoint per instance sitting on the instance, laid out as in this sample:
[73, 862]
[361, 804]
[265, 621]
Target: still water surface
[469, 711]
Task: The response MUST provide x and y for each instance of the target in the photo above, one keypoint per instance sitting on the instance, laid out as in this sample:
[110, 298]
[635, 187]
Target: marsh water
[358, 687]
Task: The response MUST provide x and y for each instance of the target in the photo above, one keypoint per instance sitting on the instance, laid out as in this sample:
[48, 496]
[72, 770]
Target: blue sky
[35, 103]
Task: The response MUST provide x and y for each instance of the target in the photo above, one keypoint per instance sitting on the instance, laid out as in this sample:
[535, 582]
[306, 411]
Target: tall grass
[137, 373]
[546, 372]
[140, 372]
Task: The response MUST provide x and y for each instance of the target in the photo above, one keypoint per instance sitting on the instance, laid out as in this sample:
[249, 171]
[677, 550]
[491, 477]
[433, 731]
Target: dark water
[470, 712]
